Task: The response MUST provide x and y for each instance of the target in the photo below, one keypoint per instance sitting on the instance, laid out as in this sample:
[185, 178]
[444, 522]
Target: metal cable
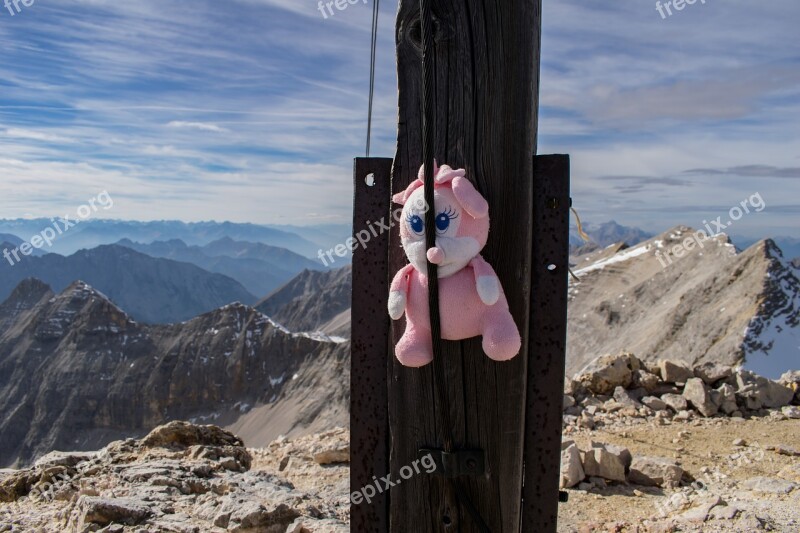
[428, 147]
[373, 54]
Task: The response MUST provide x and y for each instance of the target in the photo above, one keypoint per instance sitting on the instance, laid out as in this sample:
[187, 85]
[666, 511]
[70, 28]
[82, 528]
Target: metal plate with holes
[369, 423]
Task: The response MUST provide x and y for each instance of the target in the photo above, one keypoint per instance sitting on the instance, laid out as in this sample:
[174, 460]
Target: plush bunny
[471, 298]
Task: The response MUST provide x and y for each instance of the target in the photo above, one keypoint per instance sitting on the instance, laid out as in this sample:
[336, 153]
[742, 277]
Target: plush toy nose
[436, 255]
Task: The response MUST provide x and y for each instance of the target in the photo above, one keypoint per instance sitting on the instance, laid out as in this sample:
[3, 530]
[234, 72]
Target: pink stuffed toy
[471, 298]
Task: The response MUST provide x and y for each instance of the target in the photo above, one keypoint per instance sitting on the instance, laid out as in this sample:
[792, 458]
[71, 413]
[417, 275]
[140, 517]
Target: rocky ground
[184, 478]
[662, 448]
[673, 448]
[736, 475]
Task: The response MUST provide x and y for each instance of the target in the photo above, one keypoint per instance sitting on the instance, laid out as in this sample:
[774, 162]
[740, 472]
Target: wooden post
[486, 92]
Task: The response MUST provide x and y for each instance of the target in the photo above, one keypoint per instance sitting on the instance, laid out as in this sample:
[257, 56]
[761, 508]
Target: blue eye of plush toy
[416, 223]
[443, 219]
[442, 222]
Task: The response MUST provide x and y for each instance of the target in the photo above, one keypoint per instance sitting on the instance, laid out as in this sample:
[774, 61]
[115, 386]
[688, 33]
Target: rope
[373, 54]
[582, 233]
[428, 138]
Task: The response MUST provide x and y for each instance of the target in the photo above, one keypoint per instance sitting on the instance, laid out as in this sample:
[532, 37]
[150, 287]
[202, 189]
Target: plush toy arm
[486, 281]
[398, 292]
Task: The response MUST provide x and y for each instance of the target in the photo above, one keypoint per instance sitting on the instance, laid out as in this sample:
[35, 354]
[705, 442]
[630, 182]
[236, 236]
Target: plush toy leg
[415, 347]
[501, 340]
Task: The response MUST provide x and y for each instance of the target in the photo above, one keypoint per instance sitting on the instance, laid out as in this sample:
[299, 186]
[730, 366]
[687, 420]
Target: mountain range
[77, 372]
[90, 233]
[154, 290]
[259, 267]
[607, 233]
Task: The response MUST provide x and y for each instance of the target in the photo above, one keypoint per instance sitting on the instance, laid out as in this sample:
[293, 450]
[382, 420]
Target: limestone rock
[602, 463]
[698, 394]
[625, 398]
[656, 404]
[711, 373]
[791, 411]
[607, 372]
[727, 399]
[104, 511]
[655, 472]
[675, 401]
[645, 380]
[762, 392]
[674, 372]
[572, 471]
[770, 485]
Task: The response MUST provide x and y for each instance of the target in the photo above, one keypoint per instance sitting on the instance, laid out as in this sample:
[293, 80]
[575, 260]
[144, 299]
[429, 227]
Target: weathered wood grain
[486, 100]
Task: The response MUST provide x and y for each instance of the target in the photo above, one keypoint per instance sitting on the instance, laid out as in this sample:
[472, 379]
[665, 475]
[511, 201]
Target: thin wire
[428, 147]
[373, 54]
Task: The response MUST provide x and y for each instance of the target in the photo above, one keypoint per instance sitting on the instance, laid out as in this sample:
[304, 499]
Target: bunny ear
[402, 197]
[469, 197]
[446, 174]
[421, 173]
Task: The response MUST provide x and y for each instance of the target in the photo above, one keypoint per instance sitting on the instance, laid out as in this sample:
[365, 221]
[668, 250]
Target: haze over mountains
[261, 268]
[305, 241]
[154, 290]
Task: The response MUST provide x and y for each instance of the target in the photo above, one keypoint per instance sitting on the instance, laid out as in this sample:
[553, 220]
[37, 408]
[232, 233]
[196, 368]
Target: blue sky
[252, 110]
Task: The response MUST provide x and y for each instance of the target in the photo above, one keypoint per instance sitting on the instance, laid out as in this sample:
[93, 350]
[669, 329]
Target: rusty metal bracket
[457, 463]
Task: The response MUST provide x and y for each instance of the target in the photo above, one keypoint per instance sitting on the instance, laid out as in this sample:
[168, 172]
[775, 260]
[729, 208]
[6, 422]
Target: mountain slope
[694, 308]
[260, 268]
[313, 301]
[154, 290]
[77, 372]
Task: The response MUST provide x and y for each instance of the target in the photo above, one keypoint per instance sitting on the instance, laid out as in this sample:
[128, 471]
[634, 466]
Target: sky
[252, 110]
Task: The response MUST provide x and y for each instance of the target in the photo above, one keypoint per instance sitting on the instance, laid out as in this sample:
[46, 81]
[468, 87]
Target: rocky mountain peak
[27, 294]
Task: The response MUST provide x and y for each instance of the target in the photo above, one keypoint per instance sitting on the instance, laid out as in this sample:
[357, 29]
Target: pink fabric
[463, 311]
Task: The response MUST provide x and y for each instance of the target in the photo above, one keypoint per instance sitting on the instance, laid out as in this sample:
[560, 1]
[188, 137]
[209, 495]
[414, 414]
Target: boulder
[622, 453]
[770, 485]
[726, 400]
[791, 411]
[571, 468]
[569, 401]
[762, 392]
[674, 372]
[711, 373]
[644, 380]
[608, 372]
[602, 463]
[656, 404]
[655, 472]
[625, 398]
[252, 516]
[699, 395]
[182, 435]
[105, 511]
[676, 402]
